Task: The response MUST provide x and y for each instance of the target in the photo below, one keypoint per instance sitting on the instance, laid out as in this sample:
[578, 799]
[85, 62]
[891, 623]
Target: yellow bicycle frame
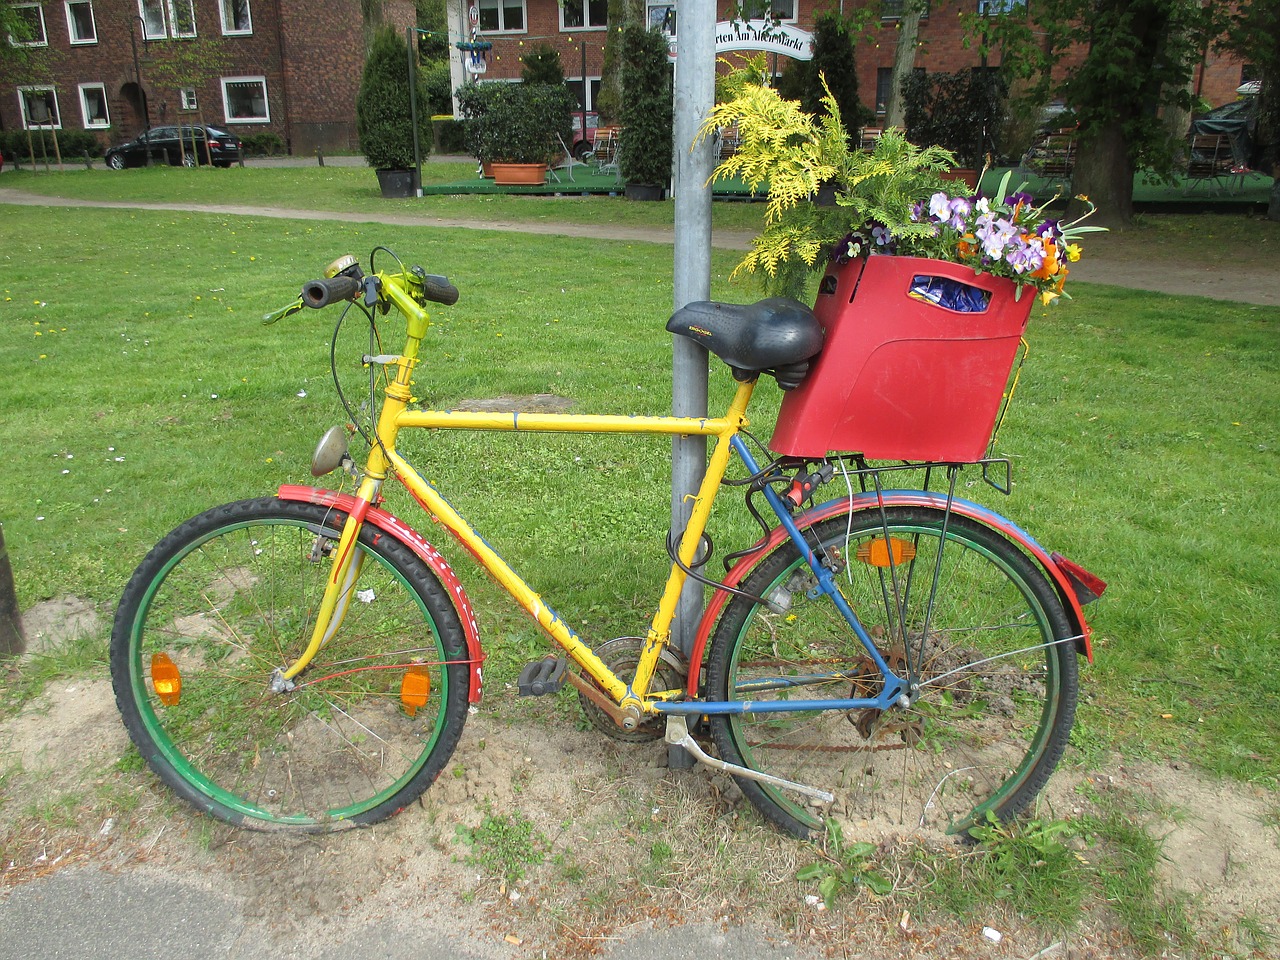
[633, 698]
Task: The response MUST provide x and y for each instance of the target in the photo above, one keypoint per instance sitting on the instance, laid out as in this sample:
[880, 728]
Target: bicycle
[305, 662]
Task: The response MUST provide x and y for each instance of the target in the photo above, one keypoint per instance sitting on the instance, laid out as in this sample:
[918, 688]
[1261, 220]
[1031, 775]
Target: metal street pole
[692, 165]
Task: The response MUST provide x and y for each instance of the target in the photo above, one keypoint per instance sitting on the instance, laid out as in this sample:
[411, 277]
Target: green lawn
[140, 387]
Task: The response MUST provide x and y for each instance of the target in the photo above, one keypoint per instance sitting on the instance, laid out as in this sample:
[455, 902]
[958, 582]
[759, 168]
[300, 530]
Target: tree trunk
[904, 60]
[1104, 173]
[1273, 208]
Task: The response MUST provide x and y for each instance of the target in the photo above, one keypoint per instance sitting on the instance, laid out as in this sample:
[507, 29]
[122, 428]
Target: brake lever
[290, 310]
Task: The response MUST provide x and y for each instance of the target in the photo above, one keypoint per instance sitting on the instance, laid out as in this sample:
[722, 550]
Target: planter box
[395, 184]
[644, 191]
[518, 174]
[899, 377]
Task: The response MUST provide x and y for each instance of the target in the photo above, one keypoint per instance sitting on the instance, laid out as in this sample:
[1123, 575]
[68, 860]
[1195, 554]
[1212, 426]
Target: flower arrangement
[892, 199]
[1006, 236]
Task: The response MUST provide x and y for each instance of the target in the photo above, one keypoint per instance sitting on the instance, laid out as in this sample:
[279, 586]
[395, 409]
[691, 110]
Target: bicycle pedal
[542, 677]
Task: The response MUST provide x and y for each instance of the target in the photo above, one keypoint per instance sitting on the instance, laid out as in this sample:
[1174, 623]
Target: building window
[32, 15]
[244, 100]
[93, 106]
[187, 99]
[584, 14]
[777, 10]
[39, 107]
[167, 18]
[994, 8]
[80, 25]
[502, 16]
[884, 83]
[661, 15]
[893, 9]
[235, 16]
[592, 92]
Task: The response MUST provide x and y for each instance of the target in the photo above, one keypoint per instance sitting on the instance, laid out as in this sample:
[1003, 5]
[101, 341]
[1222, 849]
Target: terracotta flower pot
[517, 174]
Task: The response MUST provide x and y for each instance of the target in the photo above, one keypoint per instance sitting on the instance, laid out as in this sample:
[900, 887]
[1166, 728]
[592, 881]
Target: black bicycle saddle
[778, 336]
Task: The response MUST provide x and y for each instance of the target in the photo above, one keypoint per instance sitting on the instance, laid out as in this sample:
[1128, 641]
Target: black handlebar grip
[438, 289]
[321, 293]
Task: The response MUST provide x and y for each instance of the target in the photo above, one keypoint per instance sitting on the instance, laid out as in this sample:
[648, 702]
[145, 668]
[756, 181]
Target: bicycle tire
[997, 677]
[230, 596]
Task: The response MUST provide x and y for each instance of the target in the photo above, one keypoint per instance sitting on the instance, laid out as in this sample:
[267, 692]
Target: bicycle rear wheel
[229, 597]
[988, 650]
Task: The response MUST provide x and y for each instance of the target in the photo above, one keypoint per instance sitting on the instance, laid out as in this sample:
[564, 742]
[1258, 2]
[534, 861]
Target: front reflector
[166, 679]
[886, 553]
[415, 689]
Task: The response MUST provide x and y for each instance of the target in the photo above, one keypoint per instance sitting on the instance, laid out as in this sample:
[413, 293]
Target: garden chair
[605, 150]
[567, 163]
[1210, 161]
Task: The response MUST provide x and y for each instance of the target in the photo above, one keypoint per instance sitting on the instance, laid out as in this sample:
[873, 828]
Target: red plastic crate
[901, 378]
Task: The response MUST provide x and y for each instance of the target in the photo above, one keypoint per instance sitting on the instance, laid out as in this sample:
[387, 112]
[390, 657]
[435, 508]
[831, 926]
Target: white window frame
[228, 28]
[586, 11]
[502, 26]
[885, 13]
[93, 23]
[226, 102]
[40, 41]
[995, 8]
[794, 10]
[27, 123]
[655, 14]
[187, 100]
[90, 123]
[168, 11]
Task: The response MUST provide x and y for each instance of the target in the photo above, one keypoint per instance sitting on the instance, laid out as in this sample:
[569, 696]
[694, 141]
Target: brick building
[291, 67]
[577, 29]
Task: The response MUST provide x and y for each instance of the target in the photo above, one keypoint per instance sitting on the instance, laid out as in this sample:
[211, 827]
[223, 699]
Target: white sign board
[764, 35]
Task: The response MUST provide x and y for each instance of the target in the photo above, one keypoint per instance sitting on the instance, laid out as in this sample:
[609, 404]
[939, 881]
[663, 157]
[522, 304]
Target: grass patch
[355, 190]
[504, 846]
[1143, 436]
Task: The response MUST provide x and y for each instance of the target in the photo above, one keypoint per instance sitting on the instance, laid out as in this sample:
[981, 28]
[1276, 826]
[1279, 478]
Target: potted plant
[891, 200]
[516, 127]
[644, 159]
[383, 110]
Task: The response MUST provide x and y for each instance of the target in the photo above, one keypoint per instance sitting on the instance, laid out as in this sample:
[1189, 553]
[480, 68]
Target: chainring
[621, 656]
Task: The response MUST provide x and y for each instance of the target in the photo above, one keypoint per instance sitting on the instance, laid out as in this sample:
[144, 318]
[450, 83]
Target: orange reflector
[166, 679]
[415, 689]
[876, 552]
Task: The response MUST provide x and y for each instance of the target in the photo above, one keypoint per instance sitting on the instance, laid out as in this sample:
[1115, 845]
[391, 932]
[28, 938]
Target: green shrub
[961, 111]
[384, 126]
[646, 106]
[73, 144]
[542, 65]
[265, 144]
[516, 122]
[438, 86]
[450, 135]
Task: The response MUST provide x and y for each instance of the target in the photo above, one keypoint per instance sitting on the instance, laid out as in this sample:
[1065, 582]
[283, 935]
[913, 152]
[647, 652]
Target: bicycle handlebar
[324, 291]
[438, 289]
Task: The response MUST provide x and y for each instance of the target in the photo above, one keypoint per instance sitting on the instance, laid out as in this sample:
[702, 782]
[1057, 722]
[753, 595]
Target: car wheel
[188, 160]
[115, 161]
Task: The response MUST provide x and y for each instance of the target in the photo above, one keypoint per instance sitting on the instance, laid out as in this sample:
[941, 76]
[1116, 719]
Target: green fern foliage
[793, 155]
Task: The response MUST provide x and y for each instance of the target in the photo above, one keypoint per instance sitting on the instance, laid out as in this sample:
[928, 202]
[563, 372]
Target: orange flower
[1050, 265]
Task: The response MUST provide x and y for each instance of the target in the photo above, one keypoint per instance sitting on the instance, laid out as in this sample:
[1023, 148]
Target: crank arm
[678, 736]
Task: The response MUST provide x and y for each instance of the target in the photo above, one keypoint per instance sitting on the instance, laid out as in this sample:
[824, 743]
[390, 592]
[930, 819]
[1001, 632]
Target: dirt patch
[696, 852]
[53, 622]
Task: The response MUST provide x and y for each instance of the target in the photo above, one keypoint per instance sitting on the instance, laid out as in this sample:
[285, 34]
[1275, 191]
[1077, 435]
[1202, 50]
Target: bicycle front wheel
[229, 598]
[964, 616]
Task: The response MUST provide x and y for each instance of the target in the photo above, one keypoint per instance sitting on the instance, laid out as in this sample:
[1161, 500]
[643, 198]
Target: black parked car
[162, 144]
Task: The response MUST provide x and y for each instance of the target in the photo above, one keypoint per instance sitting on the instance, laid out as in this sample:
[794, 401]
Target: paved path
[1244, 283]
